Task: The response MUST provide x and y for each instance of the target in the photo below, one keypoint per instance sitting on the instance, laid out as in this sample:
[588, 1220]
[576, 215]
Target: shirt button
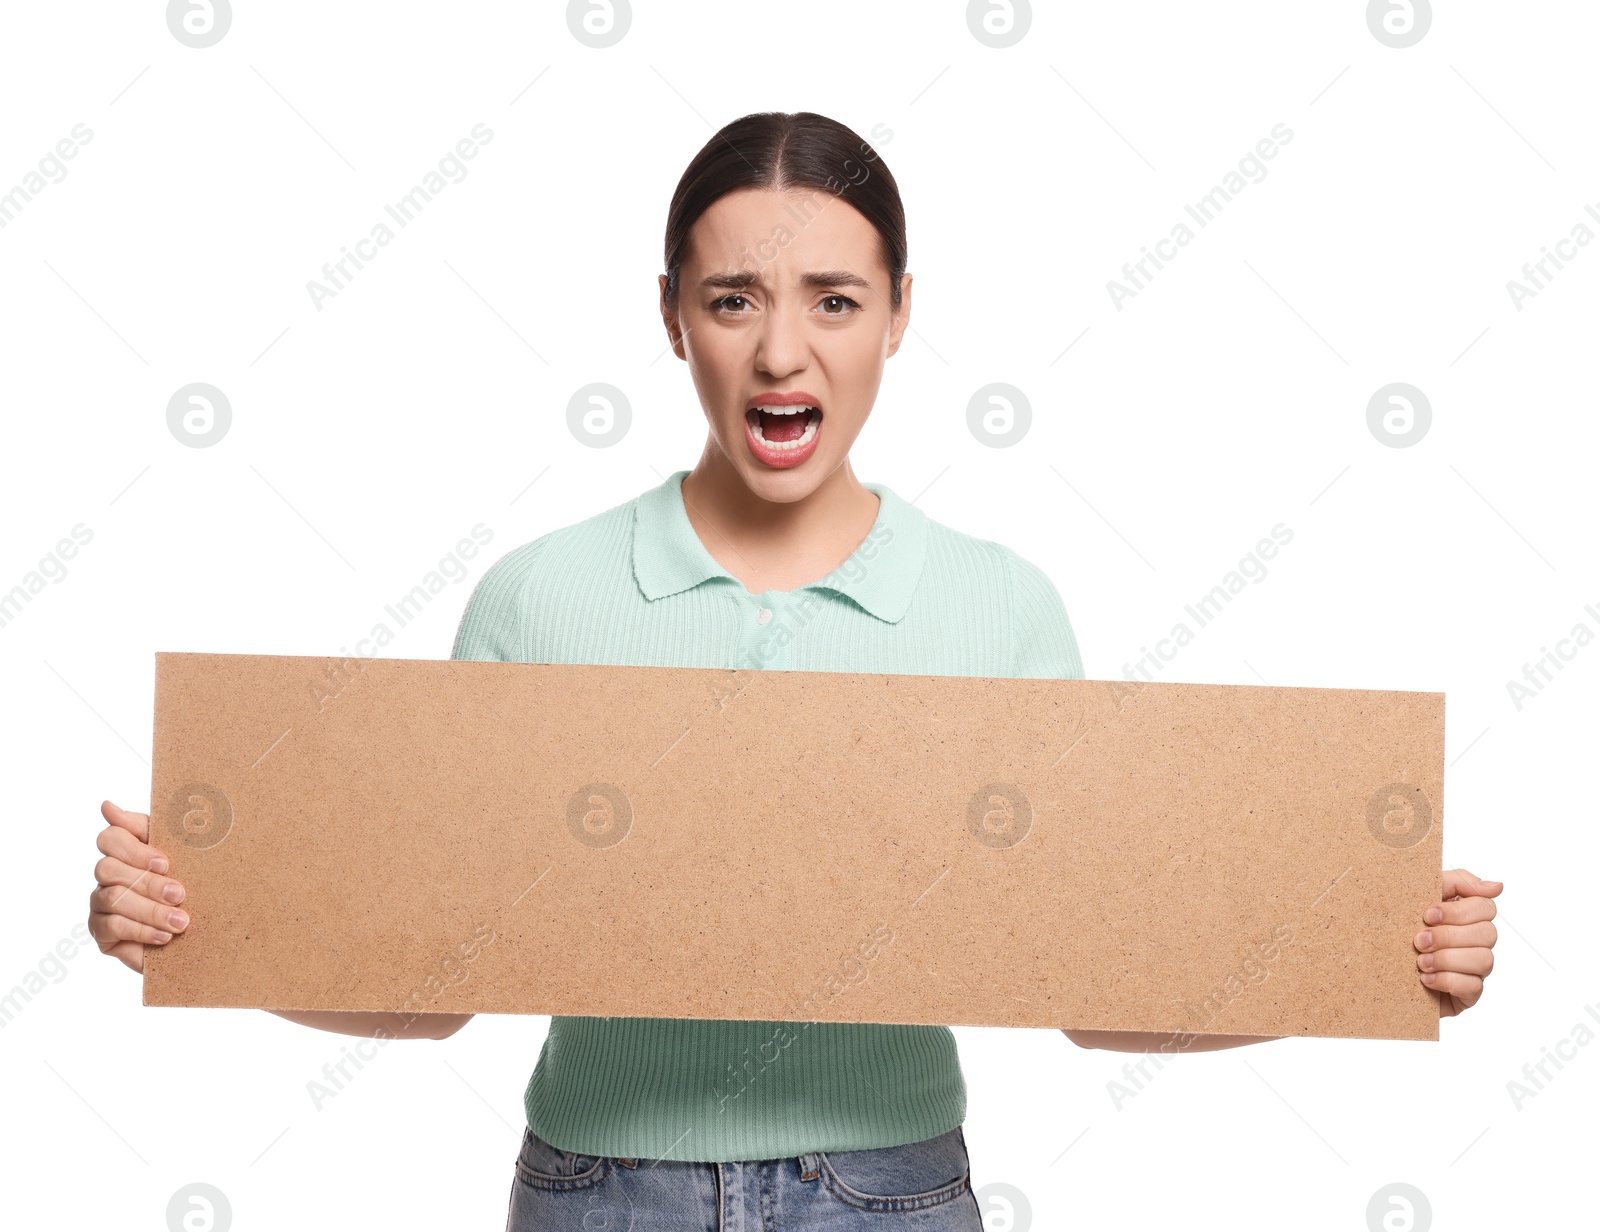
[764, 615]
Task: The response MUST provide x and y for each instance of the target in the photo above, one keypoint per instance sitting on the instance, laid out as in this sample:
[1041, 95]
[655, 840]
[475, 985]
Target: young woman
[785, 291]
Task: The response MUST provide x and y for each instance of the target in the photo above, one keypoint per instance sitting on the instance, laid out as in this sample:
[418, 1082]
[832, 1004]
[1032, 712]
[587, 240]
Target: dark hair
[783, 150]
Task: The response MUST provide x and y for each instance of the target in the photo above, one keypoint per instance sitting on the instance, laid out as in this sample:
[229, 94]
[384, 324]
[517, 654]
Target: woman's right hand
[133, 904]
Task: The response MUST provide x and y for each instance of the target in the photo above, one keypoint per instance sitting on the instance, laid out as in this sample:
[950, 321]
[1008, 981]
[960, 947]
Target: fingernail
[177, 919]
[1432, 915]
[173, 892]
[158, 864]
[162, 938]
[1424, 940]
[1428, 977]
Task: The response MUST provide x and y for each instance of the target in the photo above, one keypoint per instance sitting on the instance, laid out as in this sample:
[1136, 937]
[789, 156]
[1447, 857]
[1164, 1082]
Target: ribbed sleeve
[1043, 645]
[494, 624]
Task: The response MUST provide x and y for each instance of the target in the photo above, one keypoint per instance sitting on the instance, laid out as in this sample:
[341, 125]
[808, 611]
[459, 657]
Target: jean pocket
[899, 1178]
[546, 1166]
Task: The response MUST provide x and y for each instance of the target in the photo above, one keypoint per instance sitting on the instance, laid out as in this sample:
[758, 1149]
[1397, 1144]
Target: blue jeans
[922, 1186]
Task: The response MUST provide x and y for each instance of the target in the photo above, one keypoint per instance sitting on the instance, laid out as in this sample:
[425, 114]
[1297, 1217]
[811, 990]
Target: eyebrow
[819, 278]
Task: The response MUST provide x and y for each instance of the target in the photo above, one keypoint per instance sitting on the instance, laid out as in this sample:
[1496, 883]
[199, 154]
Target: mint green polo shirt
[633, 585]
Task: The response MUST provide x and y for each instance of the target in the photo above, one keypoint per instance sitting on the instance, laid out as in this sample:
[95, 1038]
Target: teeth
[784, 410]
[783, 446]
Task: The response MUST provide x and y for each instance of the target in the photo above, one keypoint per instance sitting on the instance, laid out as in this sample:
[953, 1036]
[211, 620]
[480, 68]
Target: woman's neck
[776, 545]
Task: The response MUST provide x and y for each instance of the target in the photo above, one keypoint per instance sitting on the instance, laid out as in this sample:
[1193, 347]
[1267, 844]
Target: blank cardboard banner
[428, 836]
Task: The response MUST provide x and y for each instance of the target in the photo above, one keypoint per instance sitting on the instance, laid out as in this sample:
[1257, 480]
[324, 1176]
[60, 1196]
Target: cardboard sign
[442, 836]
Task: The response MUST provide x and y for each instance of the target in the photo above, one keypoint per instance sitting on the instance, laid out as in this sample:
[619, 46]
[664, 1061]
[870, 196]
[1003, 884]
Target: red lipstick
[783, 438]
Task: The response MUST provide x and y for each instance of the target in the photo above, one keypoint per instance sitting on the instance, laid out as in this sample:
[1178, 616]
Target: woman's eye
[721, 305]
[839, 299]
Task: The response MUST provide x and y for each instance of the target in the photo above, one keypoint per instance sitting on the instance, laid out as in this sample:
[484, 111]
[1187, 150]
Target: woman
[785, 291]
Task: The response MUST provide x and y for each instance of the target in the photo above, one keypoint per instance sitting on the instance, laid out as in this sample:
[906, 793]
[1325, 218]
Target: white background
[1228, 396]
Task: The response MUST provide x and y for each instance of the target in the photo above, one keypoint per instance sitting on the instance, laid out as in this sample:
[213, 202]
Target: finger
[1461, 911]
[119, 900]
[114, 928]
[136, 824]
[1457, 881]
[123, 842]
[130, 952]
[111, 871]
[1450, 936]
[1470, 960]
[1466, 988]
[116, 841]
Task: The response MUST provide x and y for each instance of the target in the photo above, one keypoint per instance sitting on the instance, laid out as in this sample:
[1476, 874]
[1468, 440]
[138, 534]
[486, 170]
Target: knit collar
[881, 575]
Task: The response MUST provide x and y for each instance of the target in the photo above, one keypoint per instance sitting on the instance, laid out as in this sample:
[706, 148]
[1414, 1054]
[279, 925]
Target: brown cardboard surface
[440, 836]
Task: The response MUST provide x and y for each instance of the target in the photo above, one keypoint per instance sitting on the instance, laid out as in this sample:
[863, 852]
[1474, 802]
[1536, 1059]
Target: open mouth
[783, 429]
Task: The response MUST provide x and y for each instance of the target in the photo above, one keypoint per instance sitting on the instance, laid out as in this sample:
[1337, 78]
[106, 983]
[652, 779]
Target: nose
[782, 348]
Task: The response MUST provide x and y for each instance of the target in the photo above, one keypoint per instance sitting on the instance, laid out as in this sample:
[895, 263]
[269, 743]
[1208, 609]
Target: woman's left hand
[1455, 952]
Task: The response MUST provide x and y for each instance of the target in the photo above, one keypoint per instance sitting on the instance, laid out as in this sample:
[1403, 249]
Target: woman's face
[785, 293]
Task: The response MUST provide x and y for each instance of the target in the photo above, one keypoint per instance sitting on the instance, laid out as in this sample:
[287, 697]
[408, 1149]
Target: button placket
[763, 618]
